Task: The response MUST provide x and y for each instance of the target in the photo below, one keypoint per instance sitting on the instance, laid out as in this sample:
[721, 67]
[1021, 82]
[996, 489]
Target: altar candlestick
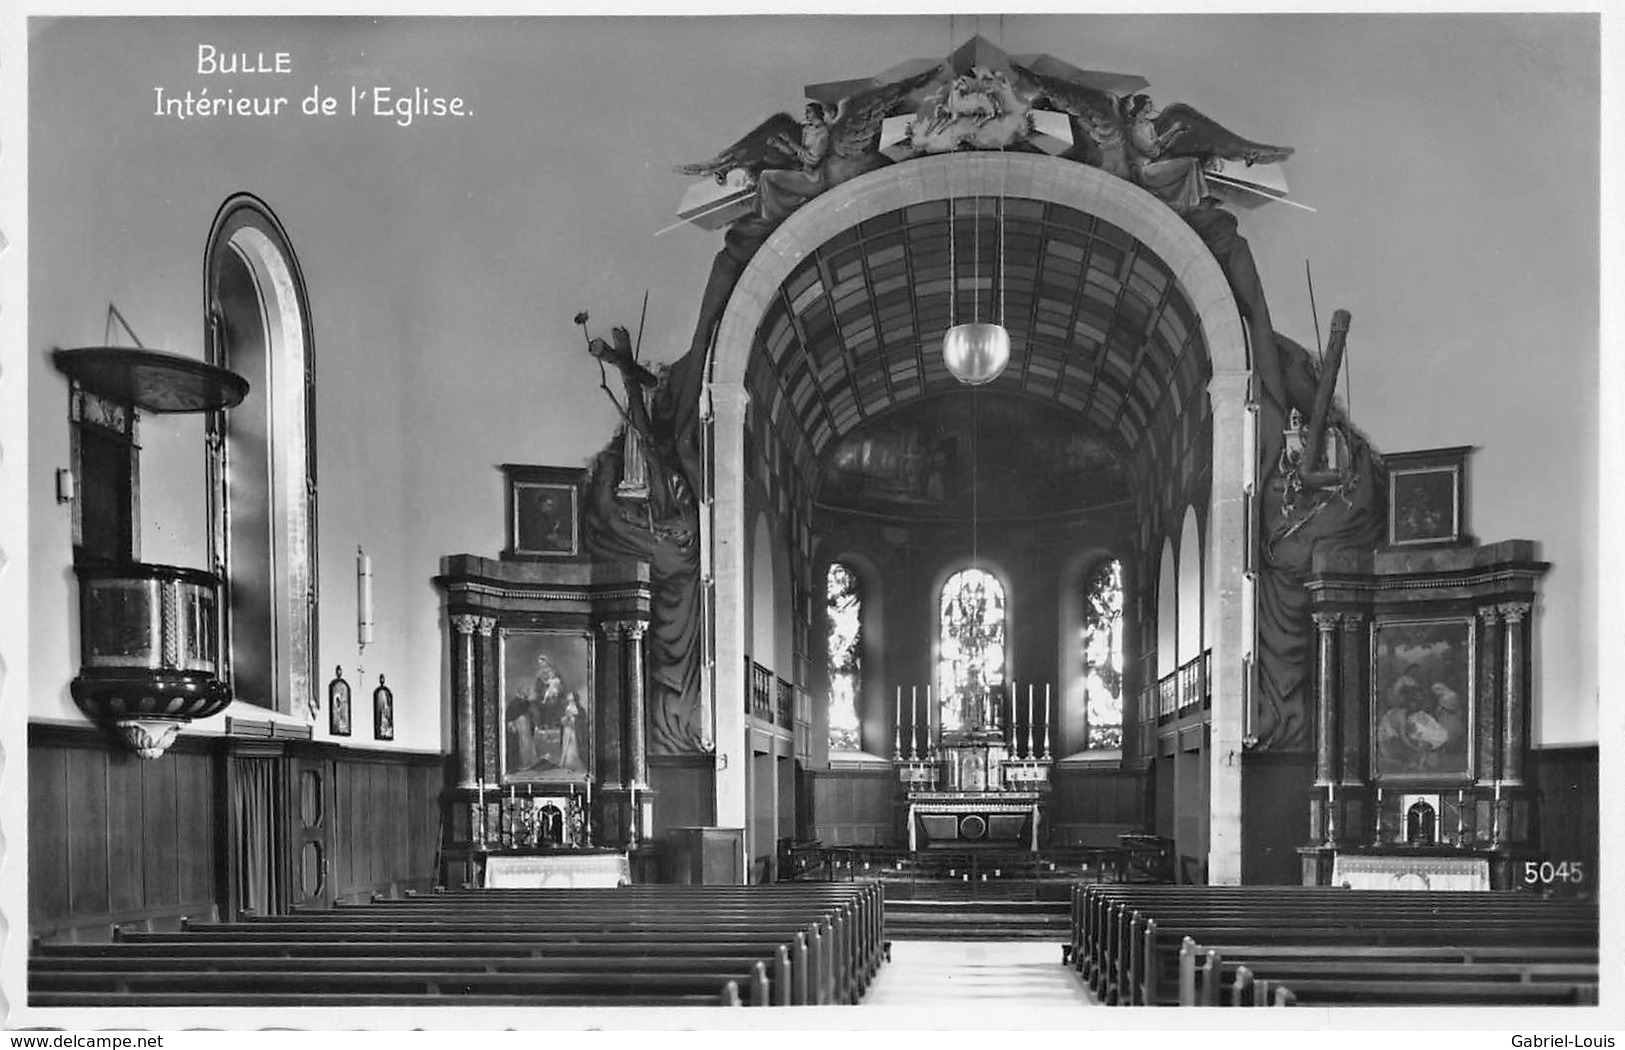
[1044, 737]
[897, 726]
[914, 721]
[1030, 725]
[928, 716]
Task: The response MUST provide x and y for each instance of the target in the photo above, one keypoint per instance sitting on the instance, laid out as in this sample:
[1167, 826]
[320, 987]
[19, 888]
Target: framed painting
[1427, 497]
[383, 711]
[544, 511]
[546, 695]
[1422, 678]
[338, 704]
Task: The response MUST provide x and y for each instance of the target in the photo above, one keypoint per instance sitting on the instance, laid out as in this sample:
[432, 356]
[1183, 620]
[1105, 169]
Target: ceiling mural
[1021, 460]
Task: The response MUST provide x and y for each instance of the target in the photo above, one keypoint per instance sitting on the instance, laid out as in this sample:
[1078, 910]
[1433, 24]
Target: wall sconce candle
[363, 600]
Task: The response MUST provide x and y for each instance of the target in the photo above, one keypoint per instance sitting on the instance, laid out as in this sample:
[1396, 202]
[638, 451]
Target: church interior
[839, 483]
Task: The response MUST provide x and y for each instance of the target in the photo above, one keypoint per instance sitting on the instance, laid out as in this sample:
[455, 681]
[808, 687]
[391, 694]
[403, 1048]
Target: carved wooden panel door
[310, 821]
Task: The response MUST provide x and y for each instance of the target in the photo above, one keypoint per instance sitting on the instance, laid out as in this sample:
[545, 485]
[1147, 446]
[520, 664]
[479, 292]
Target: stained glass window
[844, 603]
[1100, 644]
[971, 642]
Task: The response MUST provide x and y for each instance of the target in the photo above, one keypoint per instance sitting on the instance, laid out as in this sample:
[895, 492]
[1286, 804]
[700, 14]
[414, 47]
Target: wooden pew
[1127, 940]
[536, 947]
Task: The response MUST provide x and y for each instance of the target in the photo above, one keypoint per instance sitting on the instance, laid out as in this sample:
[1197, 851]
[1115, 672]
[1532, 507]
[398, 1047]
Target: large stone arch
[989, 174]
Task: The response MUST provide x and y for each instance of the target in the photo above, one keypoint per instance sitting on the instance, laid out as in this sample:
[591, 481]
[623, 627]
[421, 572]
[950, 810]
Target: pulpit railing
[759, 697]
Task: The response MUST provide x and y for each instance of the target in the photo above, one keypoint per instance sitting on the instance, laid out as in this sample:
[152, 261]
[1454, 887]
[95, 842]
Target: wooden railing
[759, 696]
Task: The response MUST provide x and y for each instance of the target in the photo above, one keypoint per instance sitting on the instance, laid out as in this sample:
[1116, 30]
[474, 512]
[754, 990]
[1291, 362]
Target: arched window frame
[1102, 734]
[944, 679]
[246, 226]
[845, 738]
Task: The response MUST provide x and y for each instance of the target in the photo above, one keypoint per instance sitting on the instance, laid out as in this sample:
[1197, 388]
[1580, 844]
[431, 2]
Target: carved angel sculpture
[792, 163]
[1169, 151]
[1095, 112]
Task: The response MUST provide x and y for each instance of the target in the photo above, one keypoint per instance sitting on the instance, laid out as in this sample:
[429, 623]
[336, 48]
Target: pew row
[1330, 946]
[670, 946]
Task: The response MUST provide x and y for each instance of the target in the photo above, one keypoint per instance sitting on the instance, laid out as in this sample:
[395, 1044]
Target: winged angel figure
[792, 163]
[1166, 153]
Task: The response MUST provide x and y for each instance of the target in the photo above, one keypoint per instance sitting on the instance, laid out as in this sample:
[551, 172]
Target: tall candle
[1030, 726]
[1045, 737]
[363, 596]
[914, 720]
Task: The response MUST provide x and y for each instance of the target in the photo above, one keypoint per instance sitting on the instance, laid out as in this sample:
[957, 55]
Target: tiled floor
[1007, 974]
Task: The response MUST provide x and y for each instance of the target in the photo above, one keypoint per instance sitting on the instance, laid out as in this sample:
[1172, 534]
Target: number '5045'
[1544, 872]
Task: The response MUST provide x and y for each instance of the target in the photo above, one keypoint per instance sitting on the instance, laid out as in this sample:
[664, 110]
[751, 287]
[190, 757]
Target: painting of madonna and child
[546, 706]
[1422, 699]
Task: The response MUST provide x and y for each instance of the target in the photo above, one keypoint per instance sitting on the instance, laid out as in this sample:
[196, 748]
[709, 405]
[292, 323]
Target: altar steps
[927, 919]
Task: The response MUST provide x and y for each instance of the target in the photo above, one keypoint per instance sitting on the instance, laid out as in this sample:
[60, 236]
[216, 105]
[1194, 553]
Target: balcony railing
[1189, 688]
[759, 697]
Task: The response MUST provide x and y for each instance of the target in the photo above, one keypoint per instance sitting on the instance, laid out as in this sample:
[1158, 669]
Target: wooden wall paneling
[160, 844]
[1275, 814]
[340, 868]
[47, 837]
[126, 823]
[684, 791]
[1565, 779]
[401, 859]
[196, 810]
[87, 833]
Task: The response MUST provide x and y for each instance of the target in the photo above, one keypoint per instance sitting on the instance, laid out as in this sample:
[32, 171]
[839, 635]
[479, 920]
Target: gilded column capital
[1514, 612]
[1326, 621]
[1354, 621]
[634, 629]
[485, 625]
[609, 629]
[465, 624]
[1490, 614]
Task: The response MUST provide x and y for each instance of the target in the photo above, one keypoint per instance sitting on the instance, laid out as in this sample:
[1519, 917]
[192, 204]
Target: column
[609, 716]
[1326, 699]
[1487, 705]
[463, 652]
[1355, 714]
[1227, 597]
[637, 762]
[1512, 731]
[726, 541]
[488, 703]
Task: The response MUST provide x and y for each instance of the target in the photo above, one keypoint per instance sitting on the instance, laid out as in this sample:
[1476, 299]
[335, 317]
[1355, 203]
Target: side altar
[978, 780]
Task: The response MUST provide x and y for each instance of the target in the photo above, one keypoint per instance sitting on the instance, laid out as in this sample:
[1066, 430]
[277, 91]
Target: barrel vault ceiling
[1098, 326]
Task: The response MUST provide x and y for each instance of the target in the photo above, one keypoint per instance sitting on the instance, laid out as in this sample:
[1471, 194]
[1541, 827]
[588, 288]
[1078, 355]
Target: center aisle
[1006, 974]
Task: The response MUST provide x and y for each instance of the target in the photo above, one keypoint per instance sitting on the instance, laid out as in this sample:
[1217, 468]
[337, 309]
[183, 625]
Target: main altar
[976, 776]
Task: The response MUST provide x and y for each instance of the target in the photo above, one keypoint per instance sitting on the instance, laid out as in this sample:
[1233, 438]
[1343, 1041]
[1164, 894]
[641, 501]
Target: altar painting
[547, 706]
[1422, 711]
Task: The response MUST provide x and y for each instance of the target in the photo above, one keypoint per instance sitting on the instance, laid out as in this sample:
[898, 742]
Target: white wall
[1452, 160]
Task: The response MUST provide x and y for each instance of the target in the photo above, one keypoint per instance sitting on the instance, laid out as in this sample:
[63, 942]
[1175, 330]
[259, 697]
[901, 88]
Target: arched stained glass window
[844, 649]
[1101, 647]
[971, 642]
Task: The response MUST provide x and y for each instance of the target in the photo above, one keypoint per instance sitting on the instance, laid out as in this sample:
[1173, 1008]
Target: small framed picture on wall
[383, 711]
[544, 511]
[338, 704]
